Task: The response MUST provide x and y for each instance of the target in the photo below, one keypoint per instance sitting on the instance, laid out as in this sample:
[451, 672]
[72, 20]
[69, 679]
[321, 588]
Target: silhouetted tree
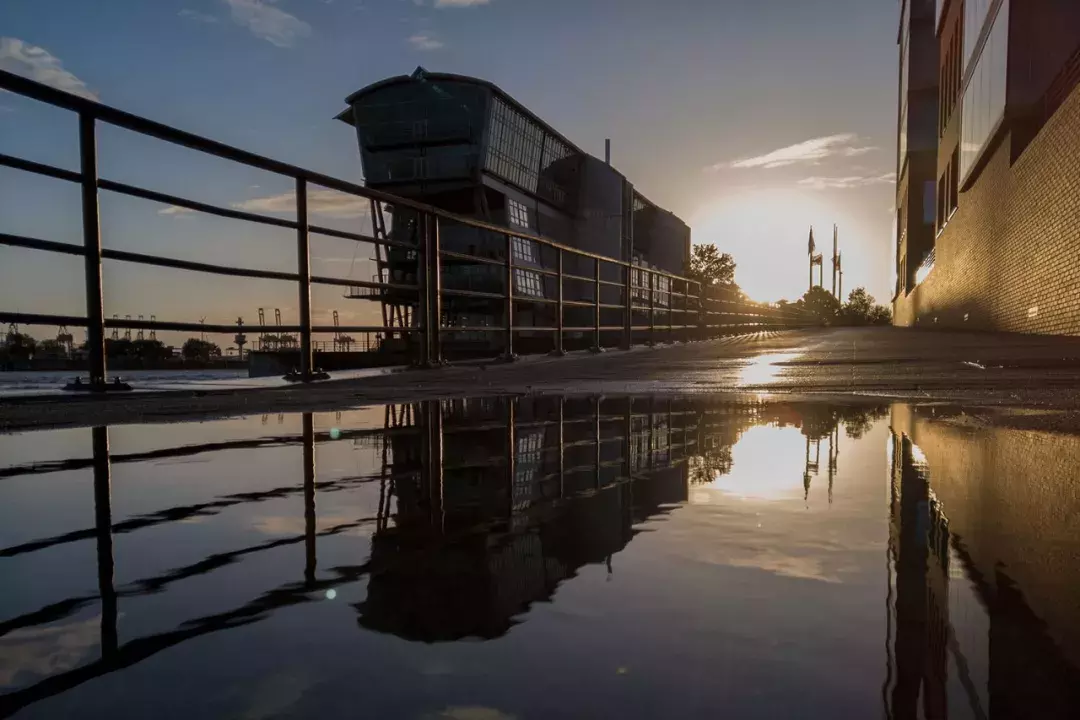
[19, 346]
[151, 350]
[51, 348]
[196, 349]
[821, 304]
[117, 348]
[861, 309]
[711, 267]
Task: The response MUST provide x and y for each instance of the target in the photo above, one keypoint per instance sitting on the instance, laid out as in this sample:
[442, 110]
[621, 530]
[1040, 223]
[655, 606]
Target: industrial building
[463, 145]
[988, 165]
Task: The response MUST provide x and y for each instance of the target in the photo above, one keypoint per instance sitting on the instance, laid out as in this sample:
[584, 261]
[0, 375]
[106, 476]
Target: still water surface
[539, 557]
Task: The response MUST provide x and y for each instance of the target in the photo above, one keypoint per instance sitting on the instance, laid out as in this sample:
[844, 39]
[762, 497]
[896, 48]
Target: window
[528, 283]
[903, 141]
[524, 250]
[517, 213]
[520, 150]
[928, 202]
[975, 12]
[984, 96]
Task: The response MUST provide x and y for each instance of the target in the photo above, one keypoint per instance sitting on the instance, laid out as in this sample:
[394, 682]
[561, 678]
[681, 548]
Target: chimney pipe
[607, 150]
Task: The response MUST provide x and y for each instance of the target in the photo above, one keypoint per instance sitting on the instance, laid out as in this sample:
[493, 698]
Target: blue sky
[751, 119]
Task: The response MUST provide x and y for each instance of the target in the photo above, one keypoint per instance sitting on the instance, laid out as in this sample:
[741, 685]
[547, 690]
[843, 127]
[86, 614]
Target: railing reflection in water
[469, 493]
[486, 506]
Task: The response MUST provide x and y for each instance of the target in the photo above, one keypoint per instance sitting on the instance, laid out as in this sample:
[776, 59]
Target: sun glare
[767, 465]
[766, 230]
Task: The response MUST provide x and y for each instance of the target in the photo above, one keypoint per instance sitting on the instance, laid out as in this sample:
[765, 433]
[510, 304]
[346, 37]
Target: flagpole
[834, 241]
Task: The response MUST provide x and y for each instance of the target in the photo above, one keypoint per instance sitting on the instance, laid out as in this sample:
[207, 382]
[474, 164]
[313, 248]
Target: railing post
[559, 320]
[562, 449]
[433, 332]
[303, 253]
[511, 452]
[628, 307]
[687, 335]
[670, 310]
[508, 354]
[703, 313]
[652, 308]
[310, 554]
[103, 531]
[423, 281]
[596, 440]
[596, 346]
[91, 221]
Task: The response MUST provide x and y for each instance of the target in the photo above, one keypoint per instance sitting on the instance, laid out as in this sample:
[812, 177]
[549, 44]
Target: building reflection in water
[984, 590]
[486, 506]
[496, 503]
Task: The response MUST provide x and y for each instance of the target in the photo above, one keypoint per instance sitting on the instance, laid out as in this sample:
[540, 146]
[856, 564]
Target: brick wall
[1009, 259]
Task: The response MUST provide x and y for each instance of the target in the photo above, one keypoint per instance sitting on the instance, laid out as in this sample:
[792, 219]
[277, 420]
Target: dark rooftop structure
[464, 145]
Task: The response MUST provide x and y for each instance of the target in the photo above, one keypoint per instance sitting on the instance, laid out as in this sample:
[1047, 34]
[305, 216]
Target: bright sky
[751, 119]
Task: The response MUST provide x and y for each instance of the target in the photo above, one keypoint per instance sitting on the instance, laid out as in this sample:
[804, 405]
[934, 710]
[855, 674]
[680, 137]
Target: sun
[766, 231]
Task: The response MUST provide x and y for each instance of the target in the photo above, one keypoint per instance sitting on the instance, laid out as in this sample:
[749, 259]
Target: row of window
[948, 191]
[975, 12]
[951, 77]
[984, 96]
[519, 150]
[905, 35]
[517, 214]
[439, 162]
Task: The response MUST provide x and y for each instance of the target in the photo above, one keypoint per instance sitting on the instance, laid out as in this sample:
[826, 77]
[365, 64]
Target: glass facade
[905, 39]
[526, 282]
[975, 12]
[517, 213]
[522, 152]
[984, 96]
[420, 130]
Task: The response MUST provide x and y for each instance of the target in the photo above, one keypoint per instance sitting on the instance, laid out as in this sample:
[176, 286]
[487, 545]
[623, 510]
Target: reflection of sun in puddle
[764, 368]
[766, 464]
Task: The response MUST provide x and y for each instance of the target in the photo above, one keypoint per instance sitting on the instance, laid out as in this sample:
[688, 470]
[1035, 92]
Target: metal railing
[674, 307]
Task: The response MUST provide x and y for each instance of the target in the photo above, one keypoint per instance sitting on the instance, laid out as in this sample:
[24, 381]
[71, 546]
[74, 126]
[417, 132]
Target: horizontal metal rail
[668, 303]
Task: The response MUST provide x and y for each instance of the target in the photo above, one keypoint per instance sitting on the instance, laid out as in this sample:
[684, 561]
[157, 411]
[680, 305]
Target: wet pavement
[541, 556]
[894, 363]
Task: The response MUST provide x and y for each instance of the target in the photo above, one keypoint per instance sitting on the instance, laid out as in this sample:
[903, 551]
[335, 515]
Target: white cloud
[460, 3]
[268, 22]
[176, 211]
[39, 64]
[808, 151]
[847, 182]
[197, 16]
[329, 203]
[424, 42]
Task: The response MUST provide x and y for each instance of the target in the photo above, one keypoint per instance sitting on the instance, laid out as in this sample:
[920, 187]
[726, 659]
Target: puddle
[541, 557]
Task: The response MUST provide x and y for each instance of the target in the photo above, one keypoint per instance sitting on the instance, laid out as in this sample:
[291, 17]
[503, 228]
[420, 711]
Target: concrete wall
[1009, 259]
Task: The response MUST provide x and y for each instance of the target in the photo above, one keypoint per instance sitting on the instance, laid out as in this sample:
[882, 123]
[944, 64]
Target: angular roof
[420, 74]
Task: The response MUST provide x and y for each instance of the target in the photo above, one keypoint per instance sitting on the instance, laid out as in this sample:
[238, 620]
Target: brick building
[991, 240]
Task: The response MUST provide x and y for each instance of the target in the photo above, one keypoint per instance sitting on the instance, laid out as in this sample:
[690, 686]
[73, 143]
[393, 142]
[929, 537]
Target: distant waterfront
[35, 382]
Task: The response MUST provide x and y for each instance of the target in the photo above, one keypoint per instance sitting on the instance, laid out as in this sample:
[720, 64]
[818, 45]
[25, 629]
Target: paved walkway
[973, 368]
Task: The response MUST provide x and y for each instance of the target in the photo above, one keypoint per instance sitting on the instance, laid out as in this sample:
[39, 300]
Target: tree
[150, 350]
[861, 309]
[881, 315]
[821, 304]
[51, 348]
[20, 345]
[121, 347]
[710, 267]
[196, 349]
